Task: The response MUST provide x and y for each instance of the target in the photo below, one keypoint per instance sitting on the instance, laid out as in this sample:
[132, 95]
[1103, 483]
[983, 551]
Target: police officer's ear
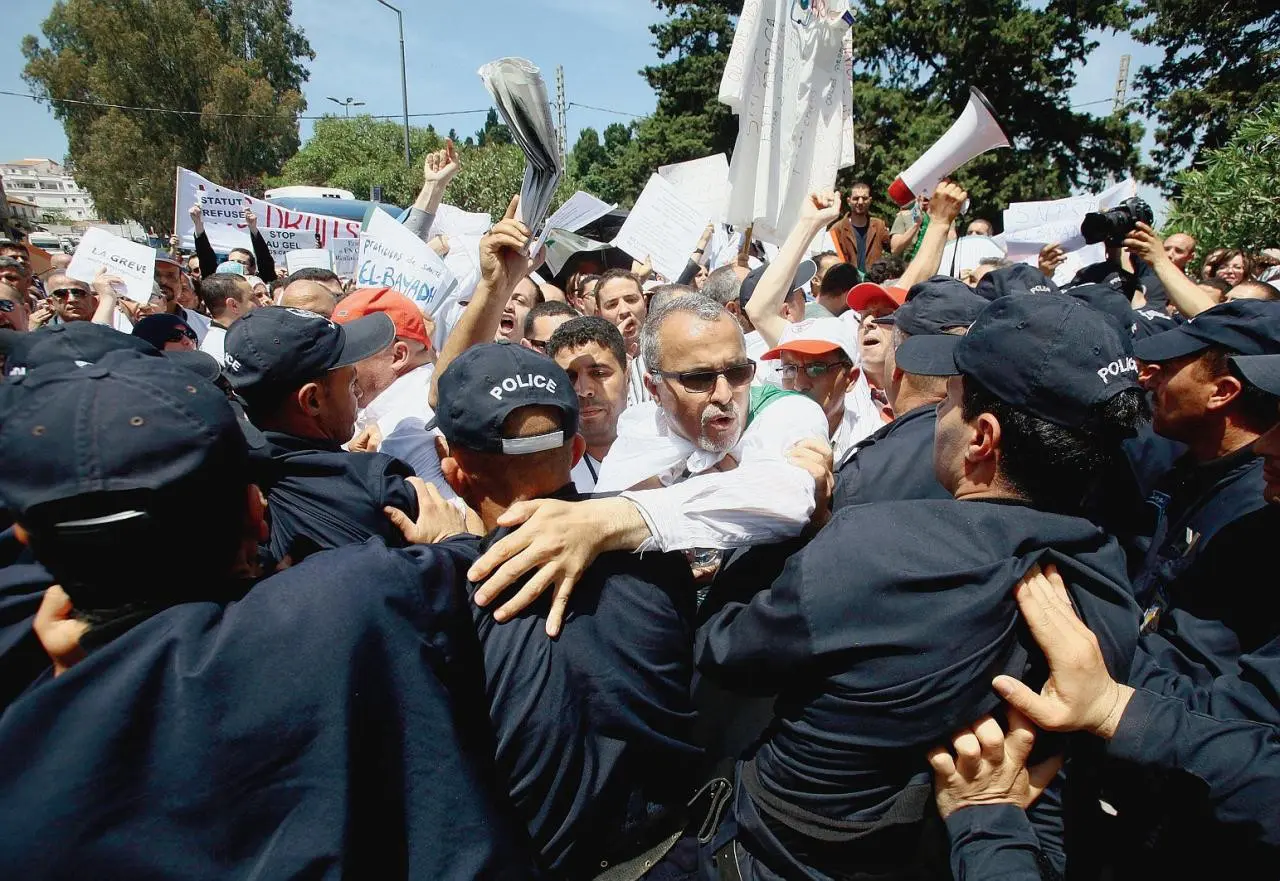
[1225, 390]
[984, 446]
[579, 449]
[449, 467]
[308, 399]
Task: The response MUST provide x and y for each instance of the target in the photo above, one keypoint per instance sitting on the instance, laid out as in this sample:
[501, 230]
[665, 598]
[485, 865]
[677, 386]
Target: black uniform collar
[1203, 475]
[907, 418]
[279, 442]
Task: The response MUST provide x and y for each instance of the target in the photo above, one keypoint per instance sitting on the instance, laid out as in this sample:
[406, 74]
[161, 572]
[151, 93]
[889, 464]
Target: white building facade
[49, 186]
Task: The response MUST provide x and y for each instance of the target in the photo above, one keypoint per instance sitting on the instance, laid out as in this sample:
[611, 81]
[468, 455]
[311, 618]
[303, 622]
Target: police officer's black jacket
[1203, 577]
[22, 658]
[880, 639]
[894, 464]
[320, 496]
[595, 728]
[329, 724]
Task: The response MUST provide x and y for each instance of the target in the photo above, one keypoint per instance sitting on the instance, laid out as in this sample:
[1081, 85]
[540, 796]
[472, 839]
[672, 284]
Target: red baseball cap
[399, 308]
[862, 294]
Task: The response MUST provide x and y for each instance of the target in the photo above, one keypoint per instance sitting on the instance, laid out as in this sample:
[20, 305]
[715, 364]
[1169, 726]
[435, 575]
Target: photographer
[1110, 227]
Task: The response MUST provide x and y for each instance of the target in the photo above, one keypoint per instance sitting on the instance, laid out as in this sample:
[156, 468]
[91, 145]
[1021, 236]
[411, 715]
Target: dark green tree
[191, 58]
[494, 131]
[914, 63]
[1221, 63]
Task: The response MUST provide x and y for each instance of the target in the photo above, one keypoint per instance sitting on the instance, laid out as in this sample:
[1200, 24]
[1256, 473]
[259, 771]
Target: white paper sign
[223, 216]
[312, 258]
[1057, 222]
[345, 253]
[280, 242]
[703, 183]
[452, 221]
[132, 263]
[663, 228]
[577, 211]
[393, 257]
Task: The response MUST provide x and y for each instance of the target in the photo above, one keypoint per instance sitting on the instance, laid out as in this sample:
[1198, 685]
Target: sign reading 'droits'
[132, 263]
[393, 257]
[224, 217]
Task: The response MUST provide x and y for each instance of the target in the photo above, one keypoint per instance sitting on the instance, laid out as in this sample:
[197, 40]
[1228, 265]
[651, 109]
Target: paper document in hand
[789, 78]
[703, 183]
[132, 263]
[308, 258]
[1029, 226]
[577, 211]
[452, 221]
[393, 257]
[562, 244]
[663, 228]
[521, 98]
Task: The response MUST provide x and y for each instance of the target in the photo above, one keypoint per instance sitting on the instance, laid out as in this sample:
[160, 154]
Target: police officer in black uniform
[881, 636]
[295, 371]
[896, 462]
[325, 722]
[1210, 530]
[595, 728]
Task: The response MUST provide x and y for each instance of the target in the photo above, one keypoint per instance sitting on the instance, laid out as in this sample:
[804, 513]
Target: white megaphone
[974, 133]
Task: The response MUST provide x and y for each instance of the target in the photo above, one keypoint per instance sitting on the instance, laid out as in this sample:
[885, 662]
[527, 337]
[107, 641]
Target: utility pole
[404, 83]
[561, 129]
[1122, 85]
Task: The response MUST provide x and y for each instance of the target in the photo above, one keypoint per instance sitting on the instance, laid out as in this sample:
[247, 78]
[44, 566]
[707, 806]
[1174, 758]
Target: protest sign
[311, 258]
[663, 228]
[1057, 222]
[703, 183]
[280, 242]
[345, 253]
[450, 221]
[577, 211]
[393, 257]
[224, 216]
[132, 263]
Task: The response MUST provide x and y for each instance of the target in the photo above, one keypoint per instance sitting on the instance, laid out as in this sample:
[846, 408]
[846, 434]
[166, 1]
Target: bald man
[310, 295]
[1181, 248]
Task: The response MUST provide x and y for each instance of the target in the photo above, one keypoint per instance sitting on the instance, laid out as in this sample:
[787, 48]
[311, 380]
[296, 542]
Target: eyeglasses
[70, 294]
[540, 345]
[813, 371]
[701, 381]
[7, 305]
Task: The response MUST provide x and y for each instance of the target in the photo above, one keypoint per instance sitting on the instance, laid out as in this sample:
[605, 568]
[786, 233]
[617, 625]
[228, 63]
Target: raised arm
[438, 169]
[764, 308]
[1182, 291]
[502, 265]
[204, 250]
[944, 208]
[261, 253]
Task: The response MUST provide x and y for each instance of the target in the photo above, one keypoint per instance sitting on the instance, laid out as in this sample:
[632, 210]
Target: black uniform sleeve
[1251, 693]
[204, 252]
[847, 481]
[756, 646]
[1238, 760]
[993, 843]
[262, 256]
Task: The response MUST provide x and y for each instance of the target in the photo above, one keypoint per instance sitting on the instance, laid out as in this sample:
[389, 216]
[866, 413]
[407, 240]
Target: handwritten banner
[393, 257]
[132, 263]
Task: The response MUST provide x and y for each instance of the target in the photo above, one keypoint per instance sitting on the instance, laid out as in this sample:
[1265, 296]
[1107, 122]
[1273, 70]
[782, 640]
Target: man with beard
[710, 462]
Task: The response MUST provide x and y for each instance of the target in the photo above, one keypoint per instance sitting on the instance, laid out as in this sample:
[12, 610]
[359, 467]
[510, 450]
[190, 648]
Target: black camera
[1113, 225]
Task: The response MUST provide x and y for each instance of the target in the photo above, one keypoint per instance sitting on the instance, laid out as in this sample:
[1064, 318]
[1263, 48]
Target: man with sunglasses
[542, 321]
[72, 300]
[710, 462]
[13, 309]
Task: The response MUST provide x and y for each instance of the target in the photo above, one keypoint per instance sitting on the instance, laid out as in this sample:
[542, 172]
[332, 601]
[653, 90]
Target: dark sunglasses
[7, 305]
[540, 345]
[813, 371]
[70, 294]
[701, 381]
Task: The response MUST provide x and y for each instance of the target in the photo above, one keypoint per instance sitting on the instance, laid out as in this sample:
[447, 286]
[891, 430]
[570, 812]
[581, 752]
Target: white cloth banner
[1029, 226]
[392, 257]
[662, 228]
[224, 221]
[132, 263]
[789, 78]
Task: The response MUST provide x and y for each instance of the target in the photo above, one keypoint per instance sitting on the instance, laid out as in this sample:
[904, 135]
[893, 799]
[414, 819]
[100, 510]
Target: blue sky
[357, 55]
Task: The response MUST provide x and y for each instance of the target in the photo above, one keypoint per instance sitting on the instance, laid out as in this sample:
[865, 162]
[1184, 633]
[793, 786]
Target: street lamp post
[348, 104]
[404, 83]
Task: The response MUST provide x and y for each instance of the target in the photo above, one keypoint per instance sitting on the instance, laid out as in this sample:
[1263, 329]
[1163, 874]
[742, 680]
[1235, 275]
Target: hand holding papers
[132, 263]
[662, 227]
[521, 98]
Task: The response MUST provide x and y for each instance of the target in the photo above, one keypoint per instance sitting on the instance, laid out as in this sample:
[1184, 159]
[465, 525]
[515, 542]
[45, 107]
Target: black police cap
[1243, 327]
[938, 305]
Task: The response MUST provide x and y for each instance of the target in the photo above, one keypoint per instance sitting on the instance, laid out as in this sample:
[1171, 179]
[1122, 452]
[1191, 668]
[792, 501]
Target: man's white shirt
[764, 499]
[402, 413]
